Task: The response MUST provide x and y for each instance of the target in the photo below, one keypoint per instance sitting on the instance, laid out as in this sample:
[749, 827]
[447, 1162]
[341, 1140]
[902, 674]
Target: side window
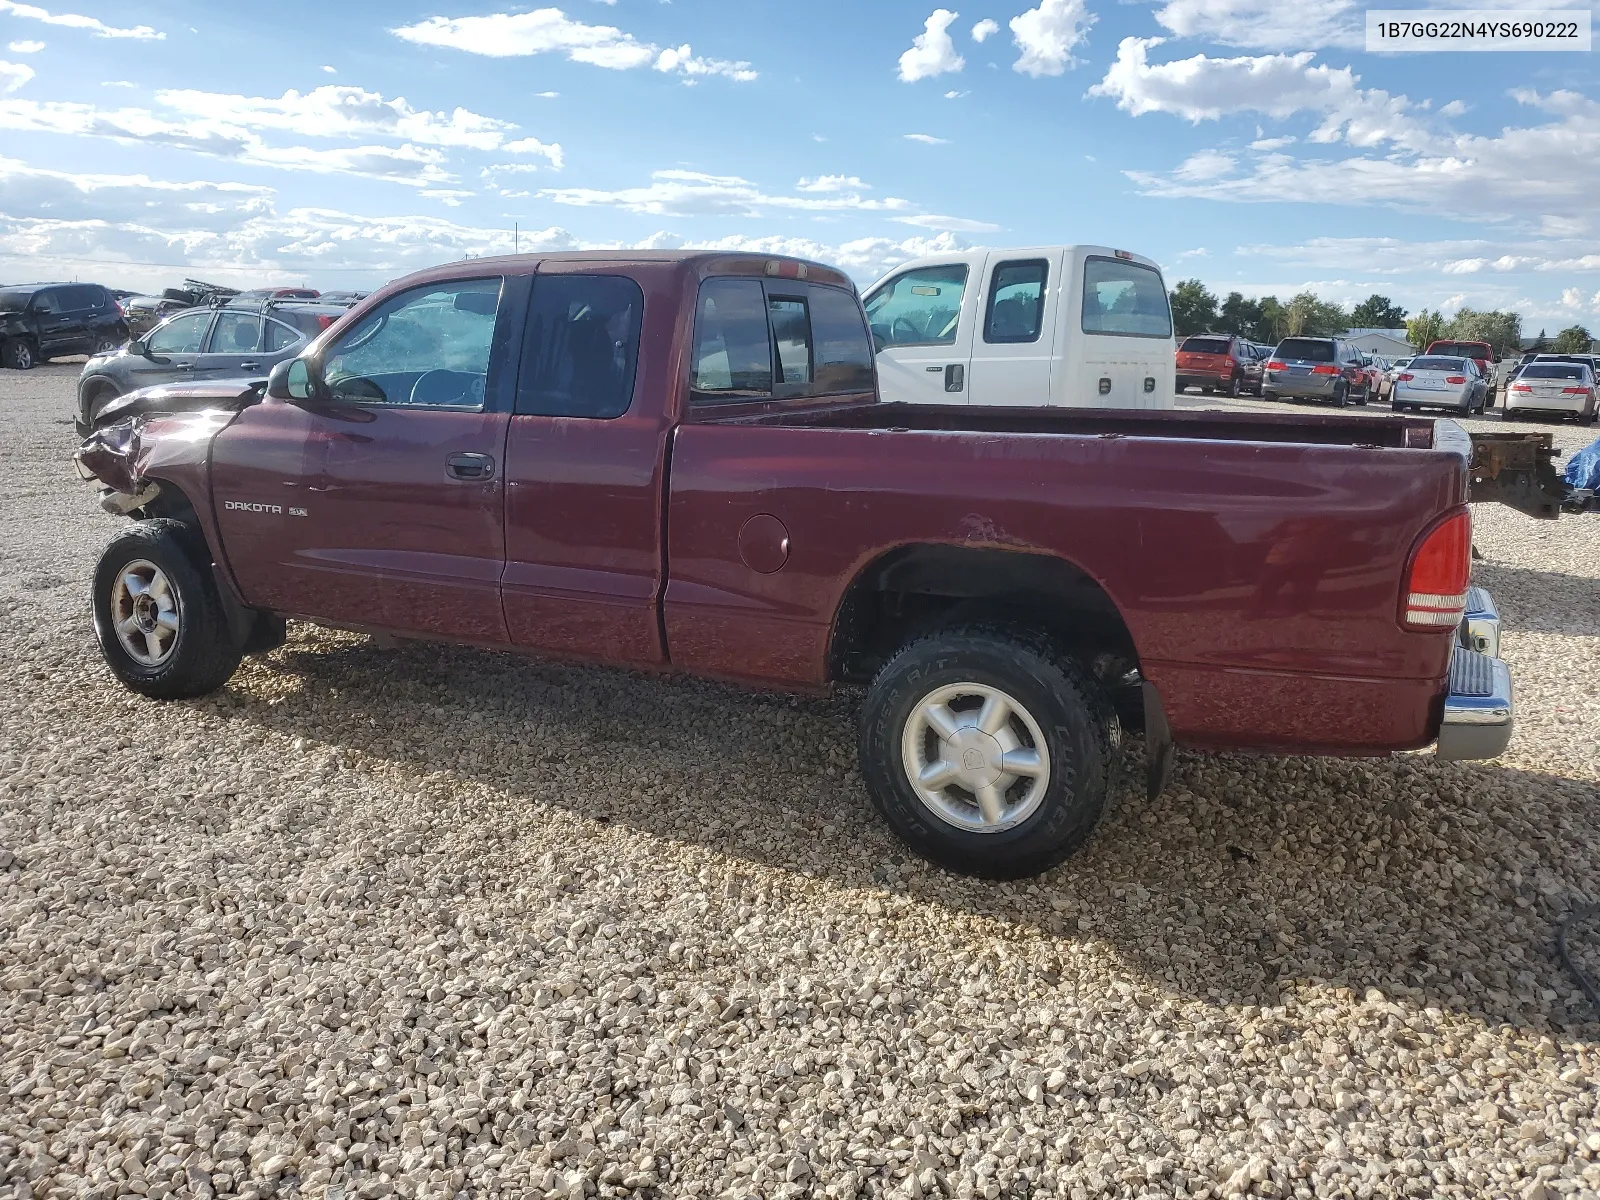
[732, 345]
[1016, 301]
[1126, 298]
[581, 347]
[428, 346]
[181, 335]
[280, 336]
[791, 335]
[47, 302]
[840, 345]
[235, 333]
[919, 308]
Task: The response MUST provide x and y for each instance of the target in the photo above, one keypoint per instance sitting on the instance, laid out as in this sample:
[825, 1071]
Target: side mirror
[294, 380]
[138, 346]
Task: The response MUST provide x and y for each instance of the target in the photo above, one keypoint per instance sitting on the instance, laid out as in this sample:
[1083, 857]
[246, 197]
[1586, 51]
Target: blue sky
[1252, 143]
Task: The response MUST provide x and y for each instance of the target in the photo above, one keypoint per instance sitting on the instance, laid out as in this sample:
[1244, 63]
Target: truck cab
[1049, 326]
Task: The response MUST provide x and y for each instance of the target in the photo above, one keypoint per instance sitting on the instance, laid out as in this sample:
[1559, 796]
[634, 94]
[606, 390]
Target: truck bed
[1255, 560]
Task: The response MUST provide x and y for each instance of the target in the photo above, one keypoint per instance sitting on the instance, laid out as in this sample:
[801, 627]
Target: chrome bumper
[1478, 711]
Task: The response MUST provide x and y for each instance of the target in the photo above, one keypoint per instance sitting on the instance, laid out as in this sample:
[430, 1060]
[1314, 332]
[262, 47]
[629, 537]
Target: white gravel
[426, 922]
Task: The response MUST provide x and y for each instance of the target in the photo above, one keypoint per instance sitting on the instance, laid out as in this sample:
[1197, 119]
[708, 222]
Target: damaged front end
[134, 460]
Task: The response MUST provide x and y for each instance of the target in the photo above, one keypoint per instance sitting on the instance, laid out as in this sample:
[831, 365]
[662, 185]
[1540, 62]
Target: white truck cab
[1058, 326]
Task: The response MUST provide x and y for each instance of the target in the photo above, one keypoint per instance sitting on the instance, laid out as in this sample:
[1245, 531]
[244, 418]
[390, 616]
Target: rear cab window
[1306, 350]
[776, 340]
[1124, 298]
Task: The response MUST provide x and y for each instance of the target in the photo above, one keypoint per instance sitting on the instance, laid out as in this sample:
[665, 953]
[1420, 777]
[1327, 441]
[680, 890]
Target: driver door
[383, 505]
[922, 323]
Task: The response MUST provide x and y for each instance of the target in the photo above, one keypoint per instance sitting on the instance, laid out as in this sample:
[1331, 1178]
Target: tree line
[1266, 319]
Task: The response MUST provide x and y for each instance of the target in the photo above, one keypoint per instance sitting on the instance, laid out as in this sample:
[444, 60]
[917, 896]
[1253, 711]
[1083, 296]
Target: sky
[1253, 144]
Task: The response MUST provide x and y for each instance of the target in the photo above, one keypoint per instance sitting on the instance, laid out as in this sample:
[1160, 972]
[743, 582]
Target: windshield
[1306, 349]
[14, 301]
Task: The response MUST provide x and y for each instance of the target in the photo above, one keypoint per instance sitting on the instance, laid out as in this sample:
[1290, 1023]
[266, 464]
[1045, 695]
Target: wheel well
[913, 589]
[172, 503]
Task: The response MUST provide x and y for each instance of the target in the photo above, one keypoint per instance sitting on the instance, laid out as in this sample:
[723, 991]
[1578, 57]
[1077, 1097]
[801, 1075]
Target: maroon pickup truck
[675, 461]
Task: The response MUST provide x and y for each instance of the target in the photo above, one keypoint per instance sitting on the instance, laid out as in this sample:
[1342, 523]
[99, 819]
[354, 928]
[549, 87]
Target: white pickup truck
[1055, 326]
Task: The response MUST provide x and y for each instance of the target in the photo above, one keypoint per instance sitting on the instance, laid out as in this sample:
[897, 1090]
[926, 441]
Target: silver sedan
[1440, 381]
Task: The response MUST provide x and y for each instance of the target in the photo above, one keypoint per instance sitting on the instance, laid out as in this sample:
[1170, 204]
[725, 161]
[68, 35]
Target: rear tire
[157, 615]
[1266, 395]
[1014, 825]
[1341, 395]
[1235, 387]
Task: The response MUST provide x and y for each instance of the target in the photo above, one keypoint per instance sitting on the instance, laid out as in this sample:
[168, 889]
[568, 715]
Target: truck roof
[699, 262]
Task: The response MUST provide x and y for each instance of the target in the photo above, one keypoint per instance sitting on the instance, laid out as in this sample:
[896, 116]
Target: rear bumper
[1315, 387]
[1478, 709]
[1193, 377]
[1427, 398]
[1527, 402]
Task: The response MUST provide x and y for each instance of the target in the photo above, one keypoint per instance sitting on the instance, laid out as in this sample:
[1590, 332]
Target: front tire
[157, 615]
[988, 751]
[18, 355]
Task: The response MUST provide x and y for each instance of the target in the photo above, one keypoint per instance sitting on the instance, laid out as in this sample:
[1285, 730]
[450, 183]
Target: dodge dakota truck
[678, 462]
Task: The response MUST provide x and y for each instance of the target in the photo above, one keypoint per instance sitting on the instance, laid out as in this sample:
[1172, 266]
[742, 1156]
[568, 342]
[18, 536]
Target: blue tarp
[1583, 468]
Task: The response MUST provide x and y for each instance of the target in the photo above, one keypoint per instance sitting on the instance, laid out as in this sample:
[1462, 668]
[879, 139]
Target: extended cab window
[181, 335]
[428, 346]
[581, 347]
[1016, 302]
[842, 348]
[919, 308]
[791, 334]
[1125, 298]
[732, 345]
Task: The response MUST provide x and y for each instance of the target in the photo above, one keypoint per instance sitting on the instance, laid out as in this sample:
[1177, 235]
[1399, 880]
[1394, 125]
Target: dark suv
[41, 321]
[239, 339]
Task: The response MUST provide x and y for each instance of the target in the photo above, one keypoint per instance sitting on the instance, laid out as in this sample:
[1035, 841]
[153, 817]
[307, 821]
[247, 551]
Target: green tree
[1314, 317]
[1273, 324]
[1574, 339]
[1194, 308]
[1502, 330]
[1377, 312]
[1424, 329]
[1240, 315]
[1540, 345]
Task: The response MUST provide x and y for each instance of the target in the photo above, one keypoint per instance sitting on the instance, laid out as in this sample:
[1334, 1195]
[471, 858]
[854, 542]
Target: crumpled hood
[228, 395]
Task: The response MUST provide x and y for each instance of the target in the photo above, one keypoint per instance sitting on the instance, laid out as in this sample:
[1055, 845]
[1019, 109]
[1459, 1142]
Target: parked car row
[40, 321]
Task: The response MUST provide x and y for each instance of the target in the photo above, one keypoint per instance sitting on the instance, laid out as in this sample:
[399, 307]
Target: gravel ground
[427, 921]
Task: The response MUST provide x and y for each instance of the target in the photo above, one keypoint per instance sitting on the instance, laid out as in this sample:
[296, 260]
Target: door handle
[183, 366]
[955, 377]
[476, 467]
[247, 366]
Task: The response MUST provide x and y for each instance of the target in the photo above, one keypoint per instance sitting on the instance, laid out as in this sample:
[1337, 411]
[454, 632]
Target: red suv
[1218, 362]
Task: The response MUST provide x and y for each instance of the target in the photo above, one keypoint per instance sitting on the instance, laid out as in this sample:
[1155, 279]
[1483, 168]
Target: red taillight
[1455, 378]
[1520, 387]
[1274, 365]
[1436, 582]
[1324, 370]
[323, 321]
[1574, 391]
[1406, 378]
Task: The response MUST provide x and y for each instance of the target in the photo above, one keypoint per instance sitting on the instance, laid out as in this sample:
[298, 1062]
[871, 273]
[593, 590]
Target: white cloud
[927, 139]
[119, 83]
[549, 151]
[25, 47]
[1047, 34]
[1206, 164]
[1267, 24]
[985, 29]
[551, 31]
[1454, 109]
[1204, 88]
[545, 95]
[32, 12]
[1273, 143]
[1197, 252]
[932, 51]
[953, 224]
[335, 110]
[1571, 298]
[13, 75]
[683, 59]
[694, 193]
[832, 183]
[330, 70]
[955, 95]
